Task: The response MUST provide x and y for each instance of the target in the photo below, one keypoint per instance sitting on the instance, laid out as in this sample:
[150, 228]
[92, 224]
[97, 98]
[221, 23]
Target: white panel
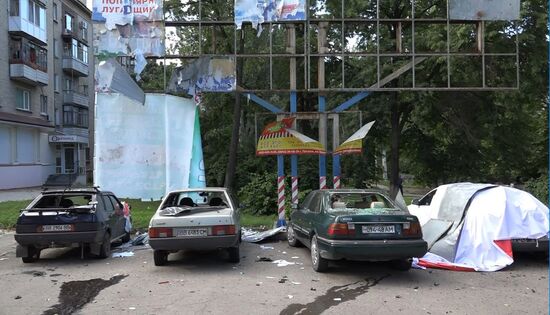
[46, 150]
[5, 145]
[25, 145]
[133, 156]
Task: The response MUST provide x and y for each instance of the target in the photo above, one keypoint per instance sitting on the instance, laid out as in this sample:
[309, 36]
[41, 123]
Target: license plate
[378, 229]
[191, 232]
[57, 228]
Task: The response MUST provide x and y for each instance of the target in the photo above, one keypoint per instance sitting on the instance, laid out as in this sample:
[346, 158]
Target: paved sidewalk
[19, 193]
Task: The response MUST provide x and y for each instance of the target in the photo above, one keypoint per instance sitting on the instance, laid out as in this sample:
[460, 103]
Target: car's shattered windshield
[361, 203]
[65, 201]
[181, 202]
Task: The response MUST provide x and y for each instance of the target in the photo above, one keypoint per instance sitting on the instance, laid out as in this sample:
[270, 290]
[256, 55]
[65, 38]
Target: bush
[259, 195]
[538, 187]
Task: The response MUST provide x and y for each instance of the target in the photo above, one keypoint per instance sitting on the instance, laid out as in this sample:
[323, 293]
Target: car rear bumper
[194, 243]
[530, 245]
[372, 250]
[57, 238]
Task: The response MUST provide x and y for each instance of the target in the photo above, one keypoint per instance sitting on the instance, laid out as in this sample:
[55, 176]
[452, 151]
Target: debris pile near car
[253, 236]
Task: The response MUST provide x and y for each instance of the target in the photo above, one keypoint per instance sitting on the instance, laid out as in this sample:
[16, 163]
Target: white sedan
[195, 219]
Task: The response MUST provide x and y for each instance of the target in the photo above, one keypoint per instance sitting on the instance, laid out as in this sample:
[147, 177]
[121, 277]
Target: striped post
[281, 198]
[336, 182]
[295, 189]
[280, 191]
[322, 182]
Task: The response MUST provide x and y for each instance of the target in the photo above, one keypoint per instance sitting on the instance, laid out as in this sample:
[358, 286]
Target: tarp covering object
[278, 138]
[263, 11]
[493, 216]
[354, 144]
[144, 150]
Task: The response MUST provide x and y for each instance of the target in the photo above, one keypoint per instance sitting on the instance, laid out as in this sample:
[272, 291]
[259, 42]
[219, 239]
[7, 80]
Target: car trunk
[375, 226]
[56, 220]
[194, 217]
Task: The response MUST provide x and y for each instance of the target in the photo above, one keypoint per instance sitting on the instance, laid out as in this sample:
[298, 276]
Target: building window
[36, 14]
[55, 48]
[56, 83]
[23, 99]
[84, 30]
[68, 23]
[44, 105]
[22, 51]
[14, 7]
[68, 84]
[75, 116]
[55, 12]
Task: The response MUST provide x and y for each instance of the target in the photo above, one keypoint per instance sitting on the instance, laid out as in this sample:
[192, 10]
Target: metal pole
[321, 44]
[335, 157]
[291, 48]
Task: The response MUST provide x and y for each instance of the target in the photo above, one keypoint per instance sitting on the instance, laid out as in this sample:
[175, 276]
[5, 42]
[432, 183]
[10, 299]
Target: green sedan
[355, 224]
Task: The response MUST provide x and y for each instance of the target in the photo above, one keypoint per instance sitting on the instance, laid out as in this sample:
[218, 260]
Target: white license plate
[191, 232]
[378, 229]
[57, 228]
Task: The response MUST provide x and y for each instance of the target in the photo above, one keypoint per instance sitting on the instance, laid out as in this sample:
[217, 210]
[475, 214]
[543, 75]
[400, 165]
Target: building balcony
[76, 96]
[21, 26]
[26, 74]
[74, 66]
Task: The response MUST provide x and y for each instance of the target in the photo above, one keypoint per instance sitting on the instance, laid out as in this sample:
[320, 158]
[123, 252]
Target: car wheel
[234, 255]
[319, 263]
[105, 249]
[160, 257]
[291, 236]
[33, 255]
[126, 237]
[401, 264]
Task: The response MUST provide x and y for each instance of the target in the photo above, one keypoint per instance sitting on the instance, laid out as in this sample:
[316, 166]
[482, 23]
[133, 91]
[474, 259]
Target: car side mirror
[415, 202]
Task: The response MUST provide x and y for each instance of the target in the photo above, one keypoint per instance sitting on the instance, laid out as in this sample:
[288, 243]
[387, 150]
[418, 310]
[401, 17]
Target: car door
[111, 217]
[422, 208]
[298, 216]
[119, 213]
[311, 215]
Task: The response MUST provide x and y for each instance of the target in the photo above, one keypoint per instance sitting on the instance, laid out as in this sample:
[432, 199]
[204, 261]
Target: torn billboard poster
[277, 138]
[128, 28]
[354, 144]
[110, 77]
[204, 74]
[488, 10]
[146, 150]
[260, 11]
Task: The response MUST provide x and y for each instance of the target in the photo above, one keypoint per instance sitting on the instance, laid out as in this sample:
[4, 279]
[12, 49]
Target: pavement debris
[264, 259]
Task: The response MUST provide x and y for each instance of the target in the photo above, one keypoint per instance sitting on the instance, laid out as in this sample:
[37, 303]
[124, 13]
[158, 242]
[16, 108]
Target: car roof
[88, 190]
[353, 190]
[213, 189]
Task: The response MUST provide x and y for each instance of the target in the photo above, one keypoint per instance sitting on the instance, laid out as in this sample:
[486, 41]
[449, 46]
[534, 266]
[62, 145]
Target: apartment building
[46, 92]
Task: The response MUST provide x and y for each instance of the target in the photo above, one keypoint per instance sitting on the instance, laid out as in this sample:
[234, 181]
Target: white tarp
[143, 150]
[494, 214]
[501, 213]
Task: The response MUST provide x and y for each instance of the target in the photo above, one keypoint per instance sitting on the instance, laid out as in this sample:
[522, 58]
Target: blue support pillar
[323, 140]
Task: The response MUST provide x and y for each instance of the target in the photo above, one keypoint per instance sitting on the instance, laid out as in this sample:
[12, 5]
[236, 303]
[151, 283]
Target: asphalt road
[204, 283]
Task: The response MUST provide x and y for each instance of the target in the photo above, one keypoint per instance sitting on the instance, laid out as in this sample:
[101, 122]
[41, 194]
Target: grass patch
[142, 211]
[9, 212]
[251, 220]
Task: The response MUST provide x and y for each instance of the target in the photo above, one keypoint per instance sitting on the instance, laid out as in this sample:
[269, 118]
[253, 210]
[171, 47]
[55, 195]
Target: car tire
[33, 255]
[105, 248]
[160, 257]
[318, 263]
[401, 264]
[291, 237]
[234, 255]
